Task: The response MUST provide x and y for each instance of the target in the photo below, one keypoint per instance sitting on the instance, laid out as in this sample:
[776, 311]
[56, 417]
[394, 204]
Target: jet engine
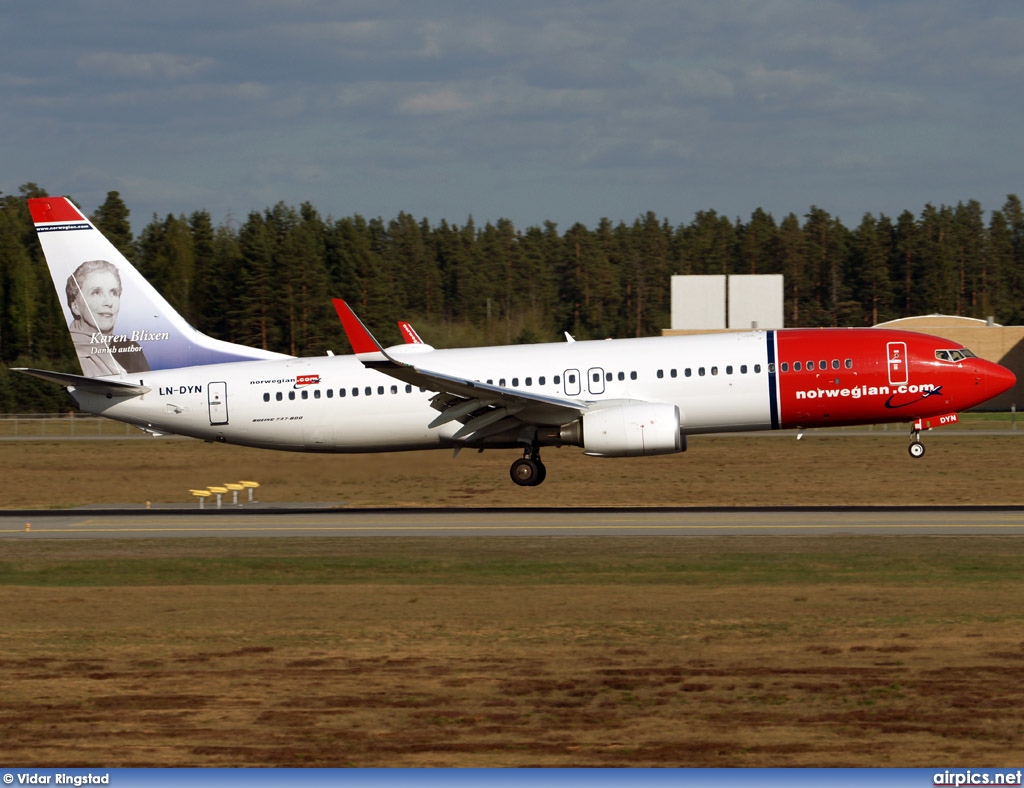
[634, 429]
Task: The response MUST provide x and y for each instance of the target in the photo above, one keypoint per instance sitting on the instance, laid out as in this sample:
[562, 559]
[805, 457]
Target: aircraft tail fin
[118, 321]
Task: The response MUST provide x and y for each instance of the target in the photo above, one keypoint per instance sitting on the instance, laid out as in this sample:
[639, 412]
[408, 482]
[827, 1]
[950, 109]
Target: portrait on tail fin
[119, 323]
[94, 293]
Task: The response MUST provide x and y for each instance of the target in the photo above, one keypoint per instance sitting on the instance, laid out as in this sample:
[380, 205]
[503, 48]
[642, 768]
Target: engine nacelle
[633, 430]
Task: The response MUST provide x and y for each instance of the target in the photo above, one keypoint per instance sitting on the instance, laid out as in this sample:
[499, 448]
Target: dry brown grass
[795, 670]
[589, 675]
[958, 469]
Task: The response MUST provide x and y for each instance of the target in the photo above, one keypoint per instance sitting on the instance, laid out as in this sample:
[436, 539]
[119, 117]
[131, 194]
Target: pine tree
[111, 218]
[871, 252]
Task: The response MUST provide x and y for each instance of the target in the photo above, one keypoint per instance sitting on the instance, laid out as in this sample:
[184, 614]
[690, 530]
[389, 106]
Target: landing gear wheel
[916, 449]
[528, 472]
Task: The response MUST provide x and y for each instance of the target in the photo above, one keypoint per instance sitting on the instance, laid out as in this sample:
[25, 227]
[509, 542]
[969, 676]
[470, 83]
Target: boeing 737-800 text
[143, 364]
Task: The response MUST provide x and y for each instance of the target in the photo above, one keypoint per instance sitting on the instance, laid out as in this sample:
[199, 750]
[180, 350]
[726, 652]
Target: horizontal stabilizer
[113, 388]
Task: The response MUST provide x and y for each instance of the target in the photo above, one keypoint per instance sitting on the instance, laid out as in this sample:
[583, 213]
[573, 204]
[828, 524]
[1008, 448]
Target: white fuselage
[333, 403]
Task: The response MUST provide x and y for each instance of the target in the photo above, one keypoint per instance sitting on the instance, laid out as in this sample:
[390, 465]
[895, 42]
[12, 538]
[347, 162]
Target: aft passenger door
[218, 399]
[595, 380]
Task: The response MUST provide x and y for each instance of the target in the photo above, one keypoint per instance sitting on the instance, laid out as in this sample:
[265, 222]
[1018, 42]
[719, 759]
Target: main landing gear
[528, 471]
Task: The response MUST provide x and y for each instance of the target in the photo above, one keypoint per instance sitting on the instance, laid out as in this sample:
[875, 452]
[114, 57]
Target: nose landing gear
[916, 448]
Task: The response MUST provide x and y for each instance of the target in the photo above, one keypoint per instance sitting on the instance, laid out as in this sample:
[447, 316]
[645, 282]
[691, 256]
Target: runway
[590, 522]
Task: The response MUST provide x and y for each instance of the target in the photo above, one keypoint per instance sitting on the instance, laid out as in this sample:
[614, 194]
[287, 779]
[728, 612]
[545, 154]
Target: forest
[267, 280]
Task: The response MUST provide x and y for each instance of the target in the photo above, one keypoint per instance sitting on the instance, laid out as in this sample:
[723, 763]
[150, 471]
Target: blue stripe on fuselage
[773, 394]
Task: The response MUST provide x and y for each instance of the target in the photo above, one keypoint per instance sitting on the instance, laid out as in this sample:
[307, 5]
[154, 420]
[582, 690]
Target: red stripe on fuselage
[857, 376]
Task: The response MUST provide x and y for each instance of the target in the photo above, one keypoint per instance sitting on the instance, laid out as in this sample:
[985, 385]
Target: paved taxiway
[126, 524]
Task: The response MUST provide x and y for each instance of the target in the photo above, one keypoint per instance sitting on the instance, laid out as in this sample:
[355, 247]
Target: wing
[482, 408]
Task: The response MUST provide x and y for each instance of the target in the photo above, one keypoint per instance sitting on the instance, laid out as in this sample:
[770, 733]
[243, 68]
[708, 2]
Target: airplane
[143, 364]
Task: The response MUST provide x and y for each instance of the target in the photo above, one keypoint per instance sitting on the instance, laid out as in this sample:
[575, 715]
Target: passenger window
[279, 396]
[291, 395]
[316, 394]
[380, 389]
[266, 397]
[822, 365]
[672, 373]
[355, 391]
[785, 366]
[622, 376]
[743, 369]
[305, 393]
[529, 381]
[757, 368]
[557, 379]
[501, 382]
[728, 370]
[797, 366]
[810, 366]
[342, 392]
[515, 383]
[714, 370]
[540, 381]
[700, 371]
[607, 375]
[771, 368]
[849, 363]
[688, 372]
[408, 389]
[330, 393]
[632, 376]
[368, 391]
[394, 389]
[661, 374]
[835, 363]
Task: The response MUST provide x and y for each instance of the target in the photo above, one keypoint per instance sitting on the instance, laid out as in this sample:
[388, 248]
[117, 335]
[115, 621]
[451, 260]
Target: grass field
[559, 651]
[960, 467]
[513, 652]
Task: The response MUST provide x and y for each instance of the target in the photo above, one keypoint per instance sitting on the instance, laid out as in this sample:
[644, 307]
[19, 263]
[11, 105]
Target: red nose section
[999, 379]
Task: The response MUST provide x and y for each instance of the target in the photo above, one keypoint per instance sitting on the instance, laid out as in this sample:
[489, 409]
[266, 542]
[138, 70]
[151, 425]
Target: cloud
[435, 102]
[159, 66]
[583, 109]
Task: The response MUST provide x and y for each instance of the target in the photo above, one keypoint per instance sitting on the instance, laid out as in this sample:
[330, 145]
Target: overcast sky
[533, 110]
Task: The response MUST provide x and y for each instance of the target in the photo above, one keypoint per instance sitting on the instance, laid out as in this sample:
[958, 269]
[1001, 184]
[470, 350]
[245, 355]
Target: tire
[525, 472]
[916, 449]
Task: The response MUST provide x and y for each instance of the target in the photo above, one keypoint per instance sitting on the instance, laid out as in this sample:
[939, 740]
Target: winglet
[359, 337]
[409, 335]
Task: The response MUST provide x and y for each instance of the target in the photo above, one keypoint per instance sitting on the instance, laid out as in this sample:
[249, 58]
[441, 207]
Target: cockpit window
[954, 354]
